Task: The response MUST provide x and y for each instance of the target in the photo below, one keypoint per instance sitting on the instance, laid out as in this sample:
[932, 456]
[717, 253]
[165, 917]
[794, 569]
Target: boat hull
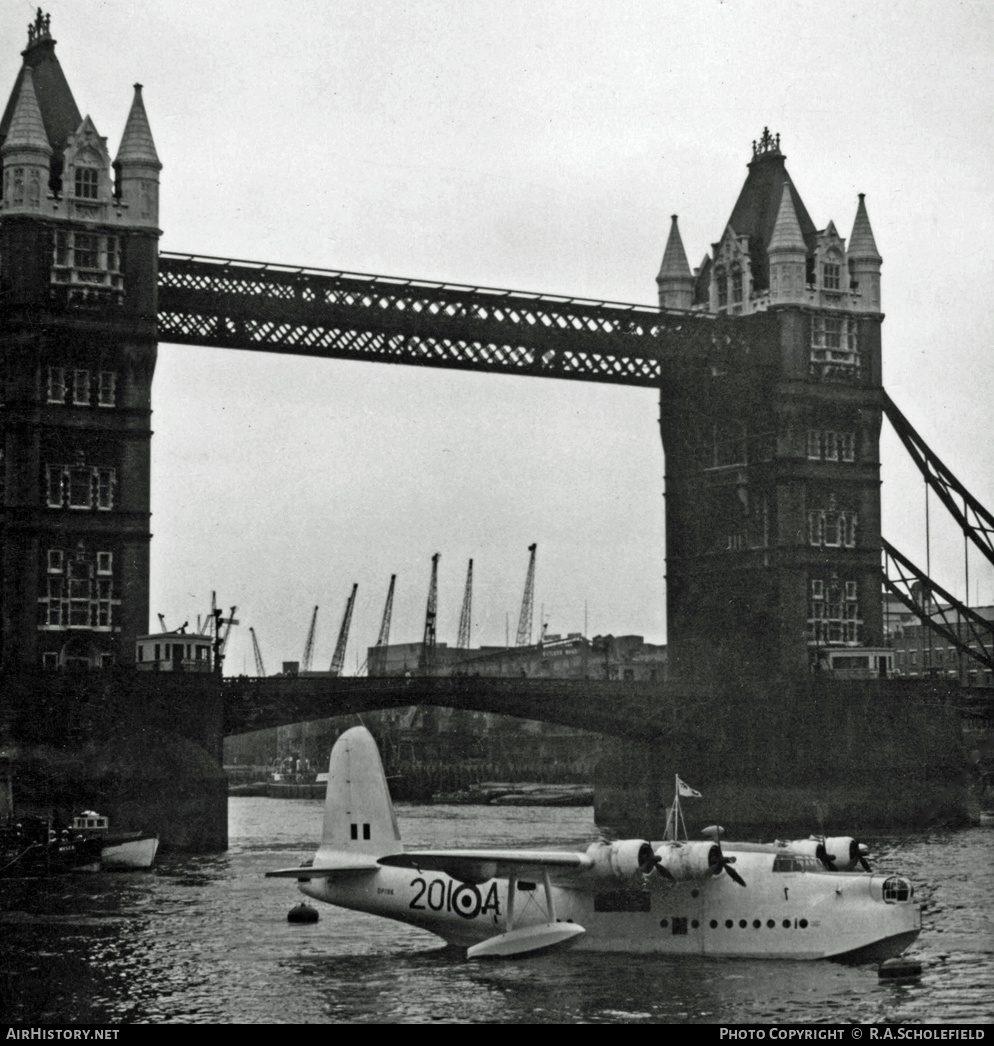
[129, 854]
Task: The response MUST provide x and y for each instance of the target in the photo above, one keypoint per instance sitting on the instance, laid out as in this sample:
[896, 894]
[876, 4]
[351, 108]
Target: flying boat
[804, 899]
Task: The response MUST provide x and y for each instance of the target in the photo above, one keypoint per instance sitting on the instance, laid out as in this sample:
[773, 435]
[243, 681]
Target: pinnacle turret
[861, 242]
[787, 236]
[27, 129]
[137, 145]
[675, 281]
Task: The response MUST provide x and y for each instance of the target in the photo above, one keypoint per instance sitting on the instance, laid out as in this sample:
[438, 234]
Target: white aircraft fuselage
[783, 915]
[776, 901]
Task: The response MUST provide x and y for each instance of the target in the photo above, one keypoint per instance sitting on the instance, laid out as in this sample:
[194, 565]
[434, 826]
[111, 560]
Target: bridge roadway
[226, 303]
[621, 709]
[642, 711]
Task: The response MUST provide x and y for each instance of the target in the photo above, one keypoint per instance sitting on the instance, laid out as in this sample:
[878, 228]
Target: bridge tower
[772, 462]
[78, 272]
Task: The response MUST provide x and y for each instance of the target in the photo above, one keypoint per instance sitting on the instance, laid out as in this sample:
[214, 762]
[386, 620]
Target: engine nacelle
[846, 851]
[620, 860]
[838, 853]
[683, 861]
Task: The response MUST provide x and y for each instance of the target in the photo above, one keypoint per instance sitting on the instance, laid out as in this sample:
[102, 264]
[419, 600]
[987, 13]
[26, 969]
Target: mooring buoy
[900, 970]
[302, 913]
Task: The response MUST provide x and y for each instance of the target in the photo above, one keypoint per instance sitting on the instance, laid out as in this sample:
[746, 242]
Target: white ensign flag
[686, 791]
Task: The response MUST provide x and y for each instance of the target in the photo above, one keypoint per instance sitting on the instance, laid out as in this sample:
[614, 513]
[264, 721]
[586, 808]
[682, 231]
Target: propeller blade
[733, 874]
[827, 859]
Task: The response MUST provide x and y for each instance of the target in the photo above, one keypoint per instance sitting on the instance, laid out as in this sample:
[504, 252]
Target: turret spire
[137, 145]
[675, 282]
[27, 129]
[861, 242]
[787, 230]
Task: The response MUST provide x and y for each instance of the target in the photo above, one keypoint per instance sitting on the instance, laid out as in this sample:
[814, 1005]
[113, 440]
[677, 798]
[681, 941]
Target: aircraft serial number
[462, 898]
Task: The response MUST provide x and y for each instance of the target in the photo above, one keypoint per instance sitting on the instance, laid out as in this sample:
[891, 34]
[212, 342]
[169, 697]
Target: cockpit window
[795, 863]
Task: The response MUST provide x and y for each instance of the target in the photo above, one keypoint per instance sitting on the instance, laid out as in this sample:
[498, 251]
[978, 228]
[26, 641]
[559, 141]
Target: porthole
[729, 924]
[743, 924]
[663, 923]
[695, 893]
[771, 923]
[714, 924]
[803, 924]
[756, 924]
[786, 924]
[694, 924]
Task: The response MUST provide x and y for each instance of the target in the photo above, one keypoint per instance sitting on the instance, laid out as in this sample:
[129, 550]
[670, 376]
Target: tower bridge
[767, 359]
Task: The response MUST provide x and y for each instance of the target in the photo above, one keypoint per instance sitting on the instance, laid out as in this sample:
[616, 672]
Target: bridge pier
[143, 749]
[859, 757]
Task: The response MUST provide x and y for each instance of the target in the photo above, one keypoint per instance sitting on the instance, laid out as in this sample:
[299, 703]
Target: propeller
[862, 850]
[827, 859]
[726, 864]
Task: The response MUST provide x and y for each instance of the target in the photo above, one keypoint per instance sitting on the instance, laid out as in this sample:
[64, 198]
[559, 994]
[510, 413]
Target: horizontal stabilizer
[527, 939]
[481, 865]
[339, 867]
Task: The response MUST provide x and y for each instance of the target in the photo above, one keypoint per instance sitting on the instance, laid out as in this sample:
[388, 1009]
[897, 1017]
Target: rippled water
[206, 940]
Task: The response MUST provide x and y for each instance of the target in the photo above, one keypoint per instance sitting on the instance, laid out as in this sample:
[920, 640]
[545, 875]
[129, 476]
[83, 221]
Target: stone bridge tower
[772, 458]
[78, 268]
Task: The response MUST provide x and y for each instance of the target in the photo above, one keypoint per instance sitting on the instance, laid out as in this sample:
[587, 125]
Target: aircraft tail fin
[358, 812]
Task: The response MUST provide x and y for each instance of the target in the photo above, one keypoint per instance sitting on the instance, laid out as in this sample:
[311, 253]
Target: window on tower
[86, 266]
[78, 591]
[81, 487]
[831, 276]
[87, 182]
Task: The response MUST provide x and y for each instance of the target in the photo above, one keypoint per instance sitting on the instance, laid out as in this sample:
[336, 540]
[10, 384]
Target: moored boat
[119, 850]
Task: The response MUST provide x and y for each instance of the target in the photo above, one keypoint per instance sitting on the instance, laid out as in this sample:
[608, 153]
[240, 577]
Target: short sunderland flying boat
[675, 897]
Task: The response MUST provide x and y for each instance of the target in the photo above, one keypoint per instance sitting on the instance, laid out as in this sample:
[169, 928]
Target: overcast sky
[538, 146]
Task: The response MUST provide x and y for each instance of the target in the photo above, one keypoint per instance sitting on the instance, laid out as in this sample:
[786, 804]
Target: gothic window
[737, 287]
[831, 276]
[831, 447]
[80, 592]
[57, 385]
[831, 527]
[722, 285]
[106, 388]
[87, 250]
[81, 388]
[834, 352]
[847, 446]
[814, 445]
[87, 181]
[81, 487]
[833, 612]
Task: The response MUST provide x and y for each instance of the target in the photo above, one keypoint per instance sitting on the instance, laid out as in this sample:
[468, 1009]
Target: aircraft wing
[480, 865]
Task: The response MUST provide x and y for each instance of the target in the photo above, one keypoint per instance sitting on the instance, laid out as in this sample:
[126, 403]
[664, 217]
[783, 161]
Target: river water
[205, 940]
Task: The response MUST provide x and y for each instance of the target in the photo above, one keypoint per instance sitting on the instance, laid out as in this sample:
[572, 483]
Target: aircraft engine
[847, 853]
[679, 862]
[622, 859]
[682, 861]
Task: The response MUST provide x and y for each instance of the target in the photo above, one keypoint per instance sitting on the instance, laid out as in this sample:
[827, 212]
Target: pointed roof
[758, 206]
[861, 242]
[27, 129]
[59, 113]
[137, 145]
[787, 231]
[675, 264]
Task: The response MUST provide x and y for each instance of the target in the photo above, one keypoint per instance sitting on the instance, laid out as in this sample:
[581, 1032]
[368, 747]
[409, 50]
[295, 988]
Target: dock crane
[466, 614]
[220, 638]
[338, 660]
[260, 668]
[384, 637]
[528, 603]
[427, 661]
[309, 645]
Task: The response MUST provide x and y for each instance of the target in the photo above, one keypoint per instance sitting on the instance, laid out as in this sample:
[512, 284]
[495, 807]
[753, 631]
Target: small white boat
[119, 851]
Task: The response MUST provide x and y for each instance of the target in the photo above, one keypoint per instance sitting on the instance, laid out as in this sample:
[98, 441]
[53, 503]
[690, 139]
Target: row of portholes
[743, 923]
